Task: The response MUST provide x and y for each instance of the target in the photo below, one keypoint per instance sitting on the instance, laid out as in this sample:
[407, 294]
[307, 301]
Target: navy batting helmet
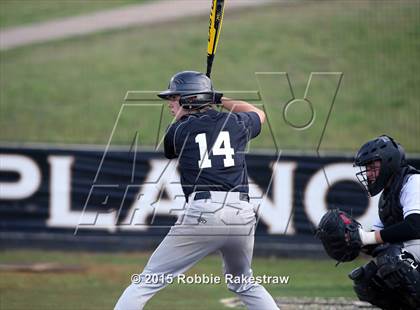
[388, 152]
[194, 88]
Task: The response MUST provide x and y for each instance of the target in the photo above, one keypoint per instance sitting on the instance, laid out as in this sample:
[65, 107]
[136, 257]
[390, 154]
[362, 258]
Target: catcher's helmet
[388, 152]
[194, 88]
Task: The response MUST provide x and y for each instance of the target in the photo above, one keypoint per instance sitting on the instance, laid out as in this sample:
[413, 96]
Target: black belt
[207, 195]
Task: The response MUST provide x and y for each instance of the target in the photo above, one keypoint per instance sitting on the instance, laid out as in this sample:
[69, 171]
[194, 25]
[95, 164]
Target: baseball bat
[215, 27]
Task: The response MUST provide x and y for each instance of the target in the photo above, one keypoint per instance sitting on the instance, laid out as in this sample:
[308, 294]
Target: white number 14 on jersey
[221, 147]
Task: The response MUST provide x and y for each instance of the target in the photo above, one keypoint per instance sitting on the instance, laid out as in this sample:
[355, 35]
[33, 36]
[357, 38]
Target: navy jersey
[211, 149]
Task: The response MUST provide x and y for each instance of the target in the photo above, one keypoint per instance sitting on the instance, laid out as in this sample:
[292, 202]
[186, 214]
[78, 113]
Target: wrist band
[367, 237]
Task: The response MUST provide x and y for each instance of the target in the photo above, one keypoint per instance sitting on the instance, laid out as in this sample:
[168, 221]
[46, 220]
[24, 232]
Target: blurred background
[78, 110]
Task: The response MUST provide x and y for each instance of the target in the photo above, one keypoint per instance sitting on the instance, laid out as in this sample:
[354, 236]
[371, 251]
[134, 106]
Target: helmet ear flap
[217, 97]
[193, 101]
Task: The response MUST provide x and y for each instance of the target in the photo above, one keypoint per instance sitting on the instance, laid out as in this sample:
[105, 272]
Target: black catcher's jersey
[211, 149]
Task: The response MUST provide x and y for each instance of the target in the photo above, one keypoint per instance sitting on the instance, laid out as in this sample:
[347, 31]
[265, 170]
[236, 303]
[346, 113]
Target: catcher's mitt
[339, 235]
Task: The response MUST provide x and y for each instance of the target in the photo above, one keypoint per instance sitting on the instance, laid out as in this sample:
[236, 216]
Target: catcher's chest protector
[390, 209]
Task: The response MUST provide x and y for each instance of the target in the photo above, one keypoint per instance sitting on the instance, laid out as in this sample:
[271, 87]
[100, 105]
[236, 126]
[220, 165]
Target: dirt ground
[317, 303]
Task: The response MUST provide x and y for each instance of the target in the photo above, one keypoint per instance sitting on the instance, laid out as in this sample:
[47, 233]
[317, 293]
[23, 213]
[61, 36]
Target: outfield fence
[80, 198]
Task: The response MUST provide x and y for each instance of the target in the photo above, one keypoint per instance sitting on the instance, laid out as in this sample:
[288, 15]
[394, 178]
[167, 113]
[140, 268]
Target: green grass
[107, 275]
[71, 91]
[18, 12]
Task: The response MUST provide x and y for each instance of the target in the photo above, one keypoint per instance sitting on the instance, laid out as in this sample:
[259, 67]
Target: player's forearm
[242, 106]
[408, 229]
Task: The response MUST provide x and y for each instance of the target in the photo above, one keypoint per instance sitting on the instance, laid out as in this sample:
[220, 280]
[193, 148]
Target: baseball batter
[392, 279]
[210, 148]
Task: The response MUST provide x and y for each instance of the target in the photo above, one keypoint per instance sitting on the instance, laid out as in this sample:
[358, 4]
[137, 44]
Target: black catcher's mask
[194, 88]
[391, 156]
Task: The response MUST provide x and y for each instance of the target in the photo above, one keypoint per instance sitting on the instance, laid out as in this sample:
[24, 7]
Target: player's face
[173, 105]
[175, 108]
[372, 170]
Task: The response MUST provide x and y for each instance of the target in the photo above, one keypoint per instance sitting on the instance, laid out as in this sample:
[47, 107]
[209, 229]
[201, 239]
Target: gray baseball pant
[413, 246]
[222, 223]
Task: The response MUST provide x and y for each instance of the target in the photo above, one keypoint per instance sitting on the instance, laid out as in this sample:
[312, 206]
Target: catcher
[391, 280]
